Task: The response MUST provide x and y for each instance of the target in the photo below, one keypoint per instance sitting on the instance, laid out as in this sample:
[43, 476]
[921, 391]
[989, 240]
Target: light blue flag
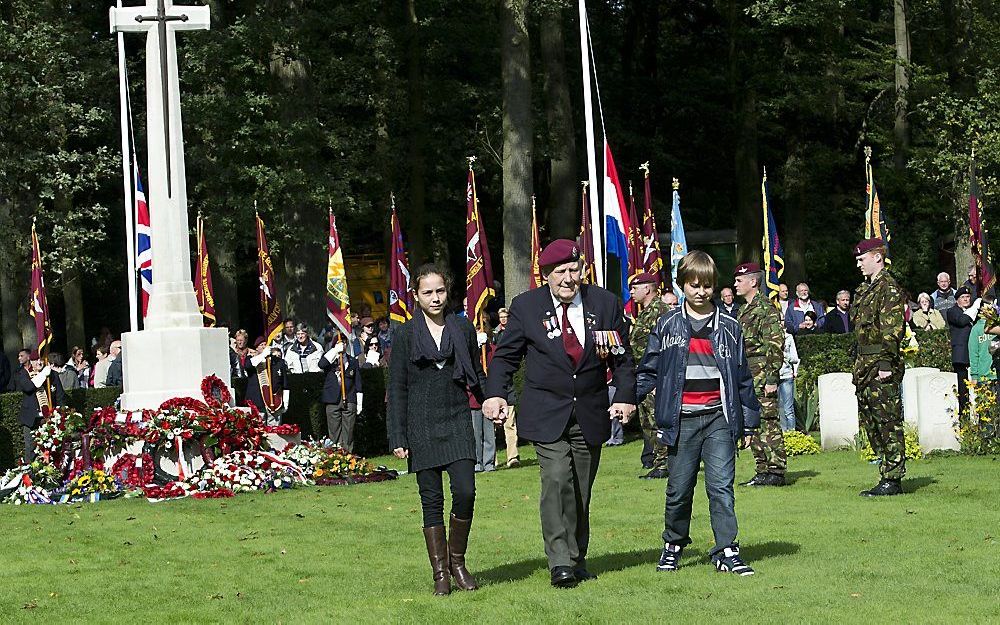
[678, 242]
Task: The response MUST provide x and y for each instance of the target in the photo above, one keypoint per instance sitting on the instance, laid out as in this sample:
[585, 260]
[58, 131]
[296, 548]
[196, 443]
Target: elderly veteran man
[570, 335]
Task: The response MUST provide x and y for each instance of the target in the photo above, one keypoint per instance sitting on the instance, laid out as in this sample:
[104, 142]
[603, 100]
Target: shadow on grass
[912, 485]
[529, 462]
[761, 551]
[794, 476]
[605, 563]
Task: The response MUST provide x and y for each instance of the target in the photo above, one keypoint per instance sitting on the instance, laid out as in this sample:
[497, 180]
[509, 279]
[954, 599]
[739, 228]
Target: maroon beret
[867, 245]
[745, 268]
[260, 340]
[643, 278]
[558, 252]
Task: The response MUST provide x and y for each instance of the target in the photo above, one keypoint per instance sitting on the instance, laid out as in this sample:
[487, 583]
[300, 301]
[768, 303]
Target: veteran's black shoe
[655, 474]
[884, 488]
[563, 577]
[758, 480]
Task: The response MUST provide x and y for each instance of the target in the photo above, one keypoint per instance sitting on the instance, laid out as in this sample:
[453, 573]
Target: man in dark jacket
[569, 335]
[268, 375]
[961, 317]
[42, 390]
[342, 373]
[838, 320]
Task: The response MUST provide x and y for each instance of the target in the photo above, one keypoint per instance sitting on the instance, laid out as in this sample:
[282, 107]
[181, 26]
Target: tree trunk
[72, 291]
[414, 217]
[9, 297]
[562, 141]
[901, 129]
[749, 226]
[515, 55]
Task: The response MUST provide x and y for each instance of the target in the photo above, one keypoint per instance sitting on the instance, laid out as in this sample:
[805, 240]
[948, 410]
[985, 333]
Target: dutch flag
[616, 223]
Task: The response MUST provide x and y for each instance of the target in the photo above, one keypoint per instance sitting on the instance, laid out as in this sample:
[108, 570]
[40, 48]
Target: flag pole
[133, 307]
[596, 223]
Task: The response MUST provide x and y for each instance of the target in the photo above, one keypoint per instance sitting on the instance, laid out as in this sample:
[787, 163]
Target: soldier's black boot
[774, 479]
[758, 480]
[658, 473]
[884, 488]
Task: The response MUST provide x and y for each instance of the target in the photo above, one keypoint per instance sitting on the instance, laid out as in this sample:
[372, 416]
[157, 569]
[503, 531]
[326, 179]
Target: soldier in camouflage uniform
[878, 367]
[644, 292]
[764, 337]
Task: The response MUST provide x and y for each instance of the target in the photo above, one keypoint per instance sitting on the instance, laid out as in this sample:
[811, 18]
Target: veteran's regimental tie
[572, 344]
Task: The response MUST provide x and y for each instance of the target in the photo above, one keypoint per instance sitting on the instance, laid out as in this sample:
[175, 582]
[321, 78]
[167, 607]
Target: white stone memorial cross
[172, 302]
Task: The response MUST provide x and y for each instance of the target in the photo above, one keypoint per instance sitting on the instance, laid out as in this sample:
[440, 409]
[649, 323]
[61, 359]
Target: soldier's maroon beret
[558, 252]
[260, 340]
[34, 355]
[643, 278]
[867, 245]
[745, 268]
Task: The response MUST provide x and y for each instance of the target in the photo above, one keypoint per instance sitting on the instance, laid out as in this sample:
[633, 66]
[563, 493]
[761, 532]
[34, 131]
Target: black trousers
[462, 476]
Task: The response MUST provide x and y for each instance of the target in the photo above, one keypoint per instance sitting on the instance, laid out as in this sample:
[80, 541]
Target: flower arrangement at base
[58, 428]
[93, 482]
[245, 471]
[170, 490]
[329, 465]
[133, 470]
[285, 429]
[800, 444]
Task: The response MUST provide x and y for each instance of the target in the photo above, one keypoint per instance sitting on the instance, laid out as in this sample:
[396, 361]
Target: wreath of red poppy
[215, 392]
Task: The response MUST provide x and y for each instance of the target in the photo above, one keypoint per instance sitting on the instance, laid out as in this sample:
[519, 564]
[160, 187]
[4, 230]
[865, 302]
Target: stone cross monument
[171, 356]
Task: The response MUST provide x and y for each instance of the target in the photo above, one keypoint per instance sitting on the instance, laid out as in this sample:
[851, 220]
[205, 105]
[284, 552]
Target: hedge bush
[831, 353]
[304, 410]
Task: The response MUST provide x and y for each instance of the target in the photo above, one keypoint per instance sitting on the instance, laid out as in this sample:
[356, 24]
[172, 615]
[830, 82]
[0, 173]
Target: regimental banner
[203, 278]
[587, 241]
[678, 240]
[985, 278]
[269, 306]
[634, 240]
[875, 225]
[478, 267]
[38, 302]
[400, 296]
[774, 256]
[338, 304]
[652, 261]
[536, 248]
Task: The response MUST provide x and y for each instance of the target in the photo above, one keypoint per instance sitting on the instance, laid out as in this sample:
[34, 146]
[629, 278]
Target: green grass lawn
[315, 555]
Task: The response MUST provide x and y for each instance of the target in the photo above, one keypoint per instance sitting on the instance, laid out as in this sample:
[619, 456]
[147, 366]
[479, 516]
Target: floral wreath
[215, 392]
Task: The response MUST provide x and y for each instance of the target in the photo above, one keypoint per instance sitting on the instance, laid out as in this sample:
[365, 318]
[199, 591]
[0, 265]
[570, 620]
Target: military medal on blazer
[551, 324]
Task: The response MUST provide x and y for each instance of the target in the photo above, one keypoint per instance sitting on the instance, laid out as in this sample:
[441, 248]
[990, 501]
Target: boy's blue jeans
[702, 438]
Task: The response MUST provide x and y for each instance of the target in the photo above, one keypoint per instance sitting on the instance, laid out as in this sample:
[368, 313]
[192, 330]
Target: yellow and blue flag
[774, 261]
[678, 241]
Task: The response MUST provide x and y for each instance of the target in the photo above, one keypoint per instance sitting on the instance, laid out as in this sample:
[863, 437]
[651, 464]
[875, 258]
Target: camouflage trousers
[647, 419]
[768, 443]
[881, 415]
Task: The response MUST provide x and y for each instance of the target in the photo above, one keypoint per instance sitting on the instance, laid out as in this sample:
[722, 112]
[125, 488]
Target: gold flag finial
[392, 200]
[471, 159]
[255, 206]
[585, 184]
[630, 188]
[676, 184]
[868, 153]
[532, 201]
[765, 172]
[645, 168]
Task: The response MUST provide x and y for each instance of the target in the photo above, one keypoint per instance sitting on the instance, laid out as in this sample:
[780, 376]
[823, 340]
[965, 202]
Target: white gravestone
[936, 396]
[838, 410]
[171, 356]
[911, 406]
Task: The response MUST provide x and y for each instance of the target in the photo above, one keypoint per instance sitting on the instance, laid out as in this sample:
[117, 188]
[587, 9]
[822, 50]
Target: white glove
[335, 351]
[361, 397]
[39, 378]
[481, 338]
[284, 398]
[259, 358]
[973, 311]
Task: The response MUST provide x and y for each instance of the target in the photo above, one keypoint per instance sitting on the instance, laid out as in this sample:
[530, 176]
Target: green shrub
[800, 444]
[912, 442]
[820, 354]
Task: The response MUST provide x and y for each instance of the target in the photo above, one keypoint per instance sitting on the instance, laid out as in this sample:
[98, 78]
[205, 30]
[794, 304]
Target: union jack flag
[143, 248]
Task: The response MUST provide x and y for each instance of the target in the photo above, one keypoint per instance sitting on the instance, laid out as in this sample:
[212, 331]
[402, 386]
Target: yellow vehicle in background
[368, 284]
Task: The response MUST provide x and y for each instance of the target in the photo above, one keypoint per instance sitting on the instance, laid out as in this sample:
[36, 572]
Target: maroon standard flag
[400, 296]
[203, 278]
[587, 242]
[985, 278]
[269, 307]
[478, 268]
[338, 304]
[38, 304]
[652, 262]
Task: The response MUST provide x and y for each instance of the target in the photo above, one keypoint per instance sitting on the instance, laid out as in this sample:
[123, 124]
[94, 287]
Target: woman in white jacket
[786, 389]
